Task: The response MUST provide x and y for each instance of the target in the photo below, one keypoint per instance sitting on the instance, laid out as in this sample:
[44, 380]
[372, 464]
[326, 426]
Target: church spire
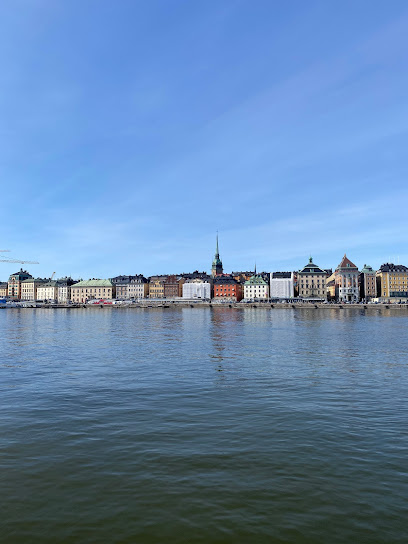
[216, 268]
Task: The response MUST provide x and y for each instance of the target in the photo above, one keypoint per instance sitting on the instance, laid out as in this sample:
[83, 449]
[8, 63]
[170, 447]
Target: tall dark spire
[216, 268]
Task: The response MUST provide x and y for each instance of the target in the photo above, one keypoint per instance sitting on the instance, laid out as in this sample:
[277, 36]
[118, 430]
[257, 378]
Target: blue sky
[131, 131]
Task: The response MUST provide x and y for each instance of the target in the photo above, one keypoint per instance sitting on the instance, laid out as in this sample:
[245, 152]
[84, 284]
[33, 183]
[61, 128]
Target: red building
[171, 287]
[227, 288]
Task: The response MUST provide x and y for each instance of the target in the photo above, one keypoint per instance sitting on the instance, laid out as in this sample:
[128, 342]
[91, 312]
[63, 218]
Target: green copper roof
[255, 280]
[94, 283]
[217, 261]
[367, 269]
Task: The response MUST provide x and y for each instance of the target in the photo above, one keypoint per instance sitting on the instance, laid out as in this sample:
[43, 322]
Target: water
[199, 425]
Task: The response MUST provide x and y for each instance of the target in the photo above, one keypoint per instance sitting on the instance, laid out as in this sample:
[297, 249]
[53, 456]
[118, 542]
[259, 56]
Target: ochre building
[92, 290]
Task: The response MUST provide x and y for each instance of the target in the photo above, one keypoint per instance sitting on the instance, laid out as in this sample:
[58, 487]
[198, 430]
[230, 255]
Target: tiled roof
[346, 263]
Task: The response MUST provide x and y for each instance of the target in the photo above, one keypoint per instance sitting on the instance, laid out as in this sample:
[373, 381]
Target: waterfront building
[171, 286]
[217, 268]
[197, 288]
[93, 289]
[331, 287]
[392, 282]
[64, 286]
[368, 283]
[156, 287]
[3, 289]
[346, 278]
[138, 287]
[312, 282]
[227, 288]
[29, 288]
[282, 285]
[256, 288]
[48, 291]
[14, 284]
[130, 287]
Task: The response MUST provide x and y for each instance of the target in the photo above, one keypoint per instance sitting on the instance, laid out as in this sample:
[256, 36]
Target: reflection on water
[203, 425]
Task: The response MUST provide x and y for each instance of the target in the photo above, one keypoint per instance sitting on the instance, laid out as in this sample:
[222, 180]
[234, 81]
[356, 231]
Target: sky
[131, 131]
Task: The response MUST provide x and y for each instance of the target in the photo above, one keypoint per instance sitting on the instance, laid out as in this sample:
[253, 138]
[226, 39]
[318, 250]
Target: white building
[197, 288]
[346, 278]
[282, 285]
[138, 287]
[48, 291]
[256, 288]
[64, 290]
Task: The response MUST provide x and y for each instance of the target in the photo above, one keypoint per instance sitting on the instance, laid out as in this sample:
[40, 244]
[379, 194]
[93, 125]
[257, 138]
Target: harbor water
[200, 425]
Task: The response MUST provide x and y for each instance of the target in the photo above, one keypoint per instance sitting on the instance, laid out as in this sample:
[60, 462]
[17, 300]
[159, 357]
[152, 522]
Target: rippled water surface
[199, 425]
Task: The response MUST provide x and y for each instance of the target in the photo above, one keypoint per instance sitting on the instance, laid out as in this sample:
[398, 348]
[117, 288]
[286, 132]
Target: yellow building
[29, 288]
[312, 282]
[92, 290]
[392, 281]
[331, 287]
[3, 290]
[156, 288]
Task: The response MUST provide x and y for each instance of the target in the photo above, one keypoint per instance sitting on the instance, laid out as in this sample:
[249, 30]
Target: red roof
[346, 263]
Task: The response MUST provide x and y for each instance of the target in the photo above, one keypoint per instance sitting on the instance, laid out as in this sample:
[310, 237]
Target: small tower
[216, 269]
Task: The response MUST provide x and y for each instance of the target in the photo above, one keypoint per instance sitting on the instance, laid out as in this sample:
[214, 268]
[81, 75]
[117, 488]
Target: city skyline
[124, 150]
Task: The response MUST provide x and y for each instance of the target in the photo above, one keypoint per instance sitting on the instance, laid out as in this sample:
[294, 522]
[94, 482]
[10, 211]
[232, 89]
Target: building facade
[93, 289]
[138, 287]
[3, 289]
[48, 291]
[282, 285]
[256, 288]
[312, 282]
[217, 268]
[171, 286]
[346, 278]
[29, 288]
[227, 288]
[368, 283]
[14, 284]
[197, 288]
[392, 281]
[64, 286]
[156, 287]
[131, 287]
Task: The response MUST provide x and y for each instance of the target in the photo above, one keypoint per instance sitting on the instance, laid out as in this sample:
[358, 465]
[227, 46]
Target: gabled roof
[346, 263]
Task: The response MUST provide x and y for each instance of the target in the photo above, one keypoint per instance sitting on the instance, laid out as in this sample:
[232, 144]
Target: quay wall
[147, 305]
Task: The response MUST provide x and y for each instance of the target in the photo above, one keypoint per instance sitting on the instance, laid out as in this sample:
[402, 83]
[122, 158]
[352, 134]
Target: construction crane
[17, 261]
[52, 277]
